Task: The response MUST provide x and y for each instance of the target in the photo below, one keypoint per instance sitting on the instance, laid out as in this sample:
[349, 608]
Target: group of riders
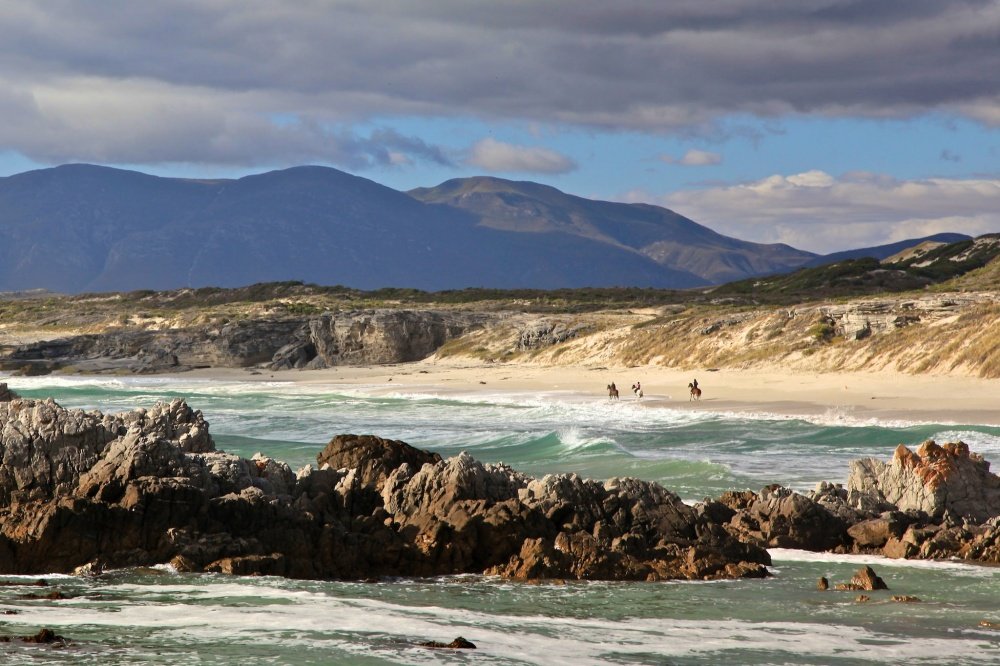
[695, 392]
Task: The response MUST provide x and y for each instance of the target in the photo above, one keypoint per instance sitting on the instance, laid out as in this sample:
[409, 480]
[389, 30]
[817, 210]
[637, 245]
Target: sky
[824, 124]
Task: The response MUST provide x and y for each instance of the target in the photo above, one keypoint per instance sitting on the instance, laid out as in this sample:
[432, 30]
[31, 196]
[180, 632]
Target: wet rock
[781, 518]
[151, 486]
[862, 598]
[904, 598]
[44, 635]
[822, 584]
[458, 644]
[864, 579]
[6, 395]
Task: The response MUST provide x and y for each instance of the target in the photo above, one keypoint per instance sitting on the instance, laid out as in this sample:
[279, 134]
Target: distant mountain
[881, 252]
[89, 228]
[662, 235]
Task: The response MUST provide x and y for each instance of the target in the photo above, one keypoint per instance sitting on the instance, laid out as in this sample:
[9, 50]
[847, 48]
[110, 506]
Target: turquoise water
[161, 617]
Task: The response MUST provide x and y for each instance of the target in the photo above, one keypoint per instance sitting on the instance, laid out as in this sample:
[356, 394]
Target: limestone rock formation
[343, 338]
[936, 479]
[373, 336]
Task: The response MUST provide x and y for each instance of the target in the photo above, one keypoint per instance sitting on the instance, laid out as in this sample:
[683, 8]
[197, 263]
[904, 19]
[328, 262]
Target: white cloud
[822, 213]
[494, 155]
[694, 157]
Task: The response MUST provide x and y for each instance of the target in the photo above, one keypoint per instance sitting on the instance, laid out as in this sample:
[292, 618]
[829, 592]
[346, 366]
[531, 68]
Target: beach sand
[881, 396]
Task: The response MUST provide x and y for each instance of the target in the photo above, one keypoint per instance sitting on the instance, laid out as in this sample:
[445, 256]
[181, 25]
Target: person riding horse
[612, 391]
[695, 392]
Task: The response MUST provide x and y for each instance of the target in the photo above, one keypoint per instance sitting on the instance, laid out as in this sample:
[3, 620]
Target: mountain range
[80, 227]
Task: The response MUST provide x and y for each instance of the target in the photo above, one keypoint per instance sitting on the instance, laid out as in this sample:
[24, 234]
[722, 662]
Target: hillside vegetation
[847, 316]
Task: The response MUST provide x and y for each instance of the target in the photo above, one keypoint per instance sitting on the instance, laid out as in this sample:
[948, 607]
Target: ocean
[157, 616]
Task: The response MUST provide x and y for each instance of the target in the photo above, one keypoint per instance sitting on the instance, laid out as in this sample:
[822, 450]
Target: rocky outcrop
[781, 518]
[346, 338]
[935, 479]
[543, 333]
[146, 487]
[376, 336]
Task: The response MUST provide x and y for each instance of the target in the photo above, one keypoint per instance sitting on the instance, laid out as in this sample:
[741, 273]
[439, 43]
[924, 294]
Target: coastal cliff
[278, 343]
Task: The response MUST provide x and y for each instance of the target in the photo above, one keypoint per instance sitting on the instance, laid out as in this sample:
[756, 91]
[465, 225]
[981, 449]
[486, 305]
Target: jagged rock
[822, 584]
[372, 458]
[6, 395]
[864, 579]
[904, 598]
[147, 487]
[457, 644]
[862, 598]
[876, 532]
[44, 635]
[781, 518]
[934, 479]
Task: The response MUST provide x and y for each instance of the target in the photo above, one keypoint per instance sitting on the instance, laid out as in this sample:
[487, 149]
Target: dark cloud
[227, 69]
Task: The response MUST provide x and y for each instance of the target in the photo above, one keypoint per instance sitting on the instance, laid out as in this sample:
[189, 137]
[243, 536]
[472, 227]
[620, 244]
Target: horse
[612, 392]
[695, 392]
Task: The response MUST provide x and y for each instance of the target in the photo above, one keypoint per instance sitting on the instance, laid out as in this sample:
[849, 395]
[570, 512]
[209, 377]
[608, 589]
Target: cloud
[694, 157]
[822, 213]
[494, 155]
[223, 68]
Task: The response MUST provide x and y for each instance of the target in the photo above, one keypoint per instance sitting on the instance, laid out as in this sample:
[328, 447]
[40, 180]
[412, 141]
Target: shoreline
[876, 397]
[861, 397]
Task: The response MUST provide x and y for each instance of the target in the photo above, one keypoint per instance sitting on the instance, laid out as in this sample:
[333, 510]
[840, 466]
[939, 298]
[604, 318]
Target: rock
[904, 598]
[457, 644]
[6, 395]
[822, 584]
[147, 487]
[250, 565]
[280, 342]
[372, 458]
[376, 337]
[547, 332]
[934, 479]
[864, 579]
[780, 518]
[862, 598]
[990, 624]
[898, 549]
[44, 635]
[875, 532]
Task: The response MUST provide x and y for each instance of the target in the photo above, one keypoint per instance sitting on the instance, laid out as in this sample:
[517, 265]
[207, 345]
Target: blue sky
[825, 124]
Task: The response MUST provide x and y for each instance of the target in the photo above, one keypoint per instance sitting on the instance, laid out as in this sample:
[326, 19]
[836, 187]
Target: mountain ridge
[81, 227]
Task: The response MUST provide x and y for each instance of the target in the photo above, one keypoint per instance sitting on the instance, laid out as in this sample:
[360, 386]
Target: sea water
[160, 617]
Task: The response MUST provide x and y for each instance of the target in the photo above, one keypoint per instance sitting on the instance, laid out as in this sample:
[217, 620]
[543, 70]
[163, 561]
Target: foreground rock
[938, 502]
[148, 487]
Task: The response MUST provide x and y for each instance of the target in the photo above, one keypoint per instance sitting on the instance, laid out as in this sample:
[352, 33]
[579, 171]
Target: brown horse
[695, 392]
[612, 392]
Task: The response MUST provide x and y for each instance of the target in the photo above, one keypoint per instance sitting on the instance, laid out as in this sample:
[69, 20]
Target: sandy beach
[879, 396]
